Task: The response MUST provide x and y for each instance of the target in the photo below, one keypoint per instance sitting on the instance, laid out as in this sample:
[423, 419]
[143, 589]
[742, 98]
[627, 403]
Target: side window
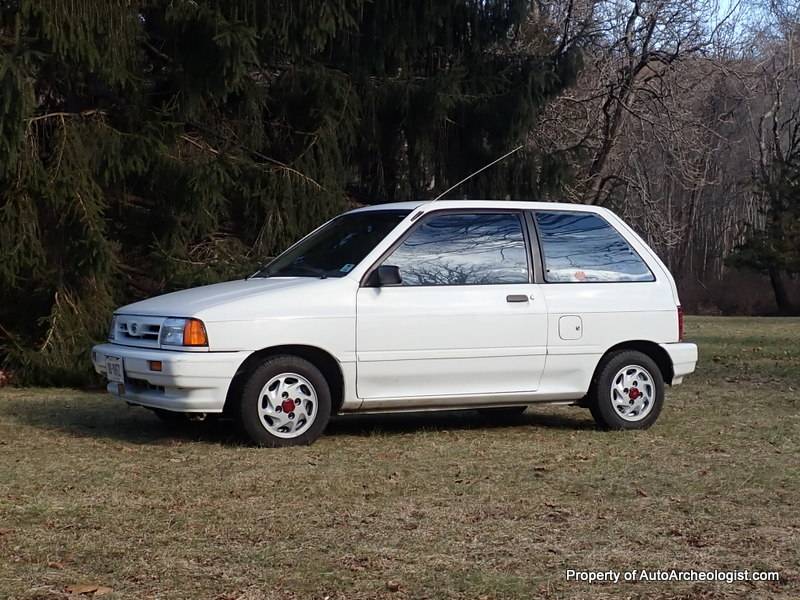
[583, 247]
[463, 249]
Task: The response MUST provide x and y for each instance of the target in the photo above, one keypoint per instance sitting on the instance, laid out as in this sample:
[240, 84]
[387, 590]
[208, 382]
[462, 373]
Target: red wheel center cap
[288, 405]
[634, 393]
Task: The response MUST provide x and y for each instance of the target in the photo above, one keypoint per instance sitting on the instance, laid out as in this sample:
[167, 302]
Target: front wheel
[285, 402]
[628, 392]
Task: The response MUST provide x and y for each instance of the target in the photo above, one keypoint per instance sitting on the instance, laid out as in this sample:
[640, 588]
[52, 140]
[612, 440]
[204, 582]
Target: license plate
[114, 370]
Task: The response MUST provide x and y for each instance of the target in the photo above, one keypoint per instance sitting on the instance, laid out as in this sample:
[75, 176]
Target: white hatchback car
[416, 306]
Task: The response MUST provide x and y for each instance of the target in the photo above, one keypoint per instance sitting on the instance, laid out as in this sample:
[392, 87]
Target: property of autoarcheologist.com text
[669, 575]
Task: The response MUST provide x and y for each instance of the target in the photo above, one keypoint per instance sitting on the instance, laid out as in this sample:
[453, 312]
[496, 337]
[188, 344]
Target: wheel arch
[322, 359]
[651, 349]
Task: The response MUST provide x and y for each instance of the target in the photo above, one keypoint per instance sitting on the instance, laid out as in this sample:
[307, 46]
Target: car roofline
[428, 205]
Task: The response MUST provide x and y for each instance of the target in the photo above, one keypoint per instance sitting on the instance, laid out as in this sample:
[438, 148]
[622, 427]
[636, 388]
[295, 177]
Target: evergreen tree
[155, 146]
[774, 250]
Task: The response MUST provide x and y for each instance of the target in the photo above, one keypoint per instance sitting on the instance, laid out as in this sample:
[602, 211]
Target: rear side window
[583, 247]
[463, 249]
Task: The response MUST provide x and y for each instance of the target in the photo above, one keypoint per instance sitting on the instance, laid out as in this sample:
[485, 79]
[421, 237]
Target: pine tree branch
[208, 148]
[52, 115]
[158, 52]
[12, 338]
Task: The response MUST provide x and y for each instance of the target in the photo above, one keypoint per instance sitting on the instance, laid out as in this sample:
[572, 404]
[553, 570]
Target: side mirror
[388, 275]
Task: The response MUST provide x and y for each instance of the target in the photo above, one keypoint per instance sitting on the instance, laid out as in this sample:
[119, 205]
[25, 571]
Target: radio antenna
[483, 168]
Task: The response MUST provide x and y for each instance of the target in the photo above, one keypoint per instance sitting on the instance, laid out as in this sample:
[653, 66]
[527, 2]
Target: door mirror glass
[388, 275]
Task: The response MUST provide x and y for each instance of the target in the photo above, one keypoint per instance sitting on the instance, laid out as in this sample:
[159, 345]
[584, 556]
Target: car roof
[409, 206]
[427, 205]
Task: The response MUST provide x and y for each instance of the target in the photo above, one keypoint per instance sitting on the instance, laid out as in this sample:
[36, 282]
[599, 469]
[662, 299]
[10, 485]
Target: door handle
[516, 298]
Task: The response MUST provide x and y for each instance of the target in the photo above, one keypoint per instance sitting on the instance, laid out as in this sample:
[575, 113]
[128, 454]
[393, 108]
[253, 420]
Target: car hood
[232, 300]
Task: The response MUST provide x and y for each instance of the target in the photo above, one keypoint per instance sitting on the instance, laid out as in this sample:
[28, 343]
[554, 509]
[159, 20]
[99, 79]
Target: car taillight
[680, 324]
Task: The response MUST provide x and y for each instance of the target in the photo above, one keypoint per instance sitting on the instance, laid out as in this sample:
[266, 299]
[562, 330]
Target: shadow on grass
[365, 425]
[99, 417]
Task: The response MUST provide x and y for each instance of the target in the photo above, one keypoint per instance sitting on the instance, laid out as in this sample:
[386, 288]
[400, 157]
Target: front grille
[148, 331]
[137, 330]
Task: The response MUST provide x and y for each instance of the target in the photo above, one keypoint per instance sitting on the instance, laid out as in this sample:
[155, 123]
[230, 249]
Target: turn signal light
[155, 365]
[194, 333]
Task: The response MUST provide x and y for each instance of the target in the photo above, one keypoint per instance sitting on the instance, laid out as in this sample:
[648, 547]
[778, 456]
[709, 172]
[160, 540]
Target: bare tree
[657, 126]
[773, 244]
[636, 45]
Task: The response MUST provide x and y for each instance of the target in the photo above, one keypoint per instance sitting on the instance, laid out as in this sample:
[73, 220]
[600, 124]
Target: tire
[269, 390]
[502, 412]
[628, 391]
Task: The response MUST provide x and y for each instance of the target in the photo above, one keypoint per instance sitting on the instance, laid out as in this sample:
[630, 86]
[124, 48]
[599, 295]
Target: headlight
[112, 329]
[183, 332]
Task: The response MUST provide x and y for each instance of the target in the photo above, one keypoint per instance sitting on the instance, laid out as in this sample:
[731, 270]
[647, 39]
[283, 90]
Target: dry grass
[438, 506]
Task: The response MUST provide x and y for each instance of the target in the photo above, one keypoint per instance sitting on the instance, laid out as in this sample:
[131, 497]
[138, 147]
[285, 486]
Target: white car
[411, 307]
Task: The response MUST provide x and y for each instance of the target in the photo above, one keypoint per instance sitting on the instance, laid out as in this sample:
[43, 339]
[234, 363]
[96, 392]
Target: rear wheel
[628, 392]
[285, 402]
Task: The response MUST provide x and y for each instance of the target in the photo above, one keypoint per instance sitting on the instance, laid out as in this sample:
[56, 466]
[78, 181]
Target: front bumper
[187, 382]
[684, 359]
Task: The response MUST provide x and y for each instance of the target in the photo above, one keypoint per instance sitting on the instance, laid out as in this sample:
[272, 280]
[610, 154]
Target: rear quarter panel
[610, 314]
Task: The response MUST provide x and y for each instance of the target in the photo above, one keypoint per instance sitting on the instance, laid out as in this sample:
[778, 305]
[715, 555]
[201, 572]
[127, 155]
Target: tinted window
[583, 247]
[463, 249]
[337, 248]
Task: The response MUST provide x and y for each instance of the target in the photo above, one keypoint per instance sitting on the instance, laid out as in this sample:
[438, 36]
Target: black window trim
[526, 236]
[534, 222]
[535, 248]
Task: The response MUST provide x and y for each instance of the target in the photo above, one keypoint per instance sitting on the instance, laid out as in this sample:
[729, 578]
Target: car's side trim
[441, 354]
[407, 404]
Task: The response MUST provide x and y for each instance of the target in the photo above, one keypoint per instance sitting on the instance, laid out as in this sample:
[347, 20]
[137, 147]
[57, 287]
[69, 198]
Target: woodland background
[151, 146]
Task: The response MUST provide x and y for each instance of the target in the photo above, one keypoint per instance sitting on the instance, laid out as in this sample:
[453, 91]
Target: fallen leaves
[88, 589]
[356, 563]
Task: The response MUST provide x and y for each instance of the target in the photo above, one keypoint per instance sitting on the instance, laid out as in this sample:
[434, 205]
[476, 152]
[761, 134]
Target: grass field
[93, 493]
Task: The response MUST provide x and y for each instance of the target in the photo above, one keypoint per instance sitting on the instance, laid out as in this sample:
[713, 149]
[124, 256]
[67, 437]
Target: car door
[467, 318]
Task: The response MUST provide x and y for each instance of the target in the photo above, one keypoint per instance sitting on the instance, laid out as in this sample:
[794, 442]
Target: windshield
[337, 248]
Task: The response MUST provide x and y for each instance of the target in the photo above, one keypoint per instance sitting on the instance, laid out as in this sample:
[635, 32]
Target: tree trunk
[785, 305]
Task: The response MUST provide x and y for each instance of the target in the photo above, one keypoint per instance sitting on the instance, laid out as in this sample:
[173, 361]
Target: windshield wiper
[300, 269]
